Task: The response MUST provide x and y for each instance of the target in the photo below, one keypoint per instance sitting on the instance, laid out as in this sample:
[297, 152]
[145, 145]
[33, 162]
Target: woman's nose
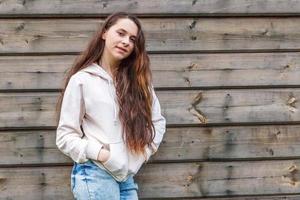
[125, 40]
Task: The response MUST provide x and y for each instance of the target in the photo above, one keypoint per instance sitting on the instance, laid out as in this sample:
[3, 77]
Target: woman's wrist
[103, 155]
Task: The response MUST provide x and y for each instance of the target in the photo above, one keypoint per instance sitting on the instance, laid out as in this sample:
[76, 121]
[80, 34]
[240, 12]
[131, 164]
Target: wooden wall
[227, 73]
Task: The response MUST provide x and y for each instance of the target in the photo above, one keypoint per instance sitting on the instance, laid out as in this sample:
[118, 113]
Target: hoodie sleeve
[69, 134]
[159, 123]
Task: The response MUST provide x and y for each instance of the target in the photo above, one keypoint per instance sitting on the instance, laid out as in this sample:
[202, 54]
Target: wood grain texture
[162, 34]
[195, 179]
[194, 107]
[179, 145]
[219, 66]
[156, 7]
[217, 70]
[254, 197]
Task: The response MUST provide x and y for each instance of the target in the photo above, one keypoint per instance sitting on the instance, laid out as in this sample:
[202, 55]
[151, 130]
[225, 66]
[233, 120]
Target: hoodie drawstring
[98, 70]
[110, 93]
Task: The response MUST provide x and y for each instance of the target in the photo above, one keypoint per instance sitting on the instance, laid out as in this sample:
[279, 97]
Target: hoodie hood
[97, 70]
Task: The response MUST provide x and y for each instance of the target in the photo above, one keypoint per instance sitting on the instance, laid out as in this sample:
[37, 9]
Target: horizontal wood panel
[179, 107]
[156, 7]
[181, 70]
[268, 197]
[230, 106]
[162, 34]
[179, 144]
[196, 179]
[252, 197]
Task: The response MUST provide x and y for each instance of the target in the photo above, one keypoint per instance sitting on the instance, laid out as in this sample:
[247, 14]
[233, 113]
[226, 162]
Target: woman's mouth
[122, 50]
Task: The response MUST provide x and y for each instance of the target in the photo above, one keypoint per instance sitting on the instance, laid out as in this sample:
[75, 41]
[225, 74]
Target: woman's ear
[104, 35]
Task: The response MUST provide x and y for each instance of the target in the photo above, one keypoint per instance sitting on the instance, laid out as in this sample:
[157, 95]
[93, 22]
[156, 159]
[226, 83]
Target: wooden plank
[30, 147]
[182, 70]
[179, 107]
[269, 197]
[156, 7]
[35, 183]
[162, 34]
[197, 179]
[220, 179]
[179, 144]
[229, 143]
[230, 106]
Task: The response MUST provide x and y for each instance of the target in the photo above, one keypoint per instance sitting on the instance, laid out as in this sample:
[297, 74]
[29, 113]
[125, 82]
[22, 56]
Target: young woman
[109, 118]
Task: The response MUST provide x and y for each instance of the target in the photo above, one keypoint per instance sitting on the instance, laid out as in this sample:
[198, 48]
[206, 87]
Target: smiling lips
[123, 50]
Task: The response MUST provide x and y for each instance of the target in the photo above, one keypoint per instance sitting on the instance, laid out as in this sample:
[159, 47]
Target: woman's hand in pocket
[103, 155]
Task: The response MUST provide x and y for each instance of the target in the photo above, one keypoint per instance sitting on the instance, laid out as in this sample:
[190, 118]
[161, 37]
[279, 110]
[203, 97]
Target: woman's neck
[109, 65]
[110, 70]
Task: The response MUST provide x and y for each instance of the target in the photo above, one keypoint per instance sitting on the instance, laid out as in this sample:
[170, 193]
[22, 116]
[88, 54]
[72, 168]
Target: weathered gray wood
[156, 7]
[196, 179]
[35, 183]
[181, 70]
[279, 197]
[186, 147]
[179, 107]
[30, 147]
[220, 179]
[179, 144]
[229, 143]
[230, 106]
[162, 34]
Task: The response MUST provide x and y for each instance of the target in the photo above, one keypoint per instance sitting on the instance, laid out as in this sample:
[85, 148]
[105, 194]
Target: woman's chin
[120, 56]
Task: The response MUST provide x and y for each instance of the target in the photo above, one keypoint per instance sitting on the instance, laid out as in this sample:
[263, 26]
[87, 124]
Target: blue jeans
[90, 182]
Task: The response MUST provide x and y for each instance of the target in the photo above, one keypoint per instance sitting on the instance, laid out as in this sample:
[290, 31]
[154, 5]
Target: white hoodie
[89, 119]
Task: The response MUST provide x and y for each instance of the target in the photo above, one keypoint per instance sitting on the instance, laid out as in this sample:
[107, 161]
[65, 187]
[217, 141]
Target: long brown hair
[133, 85]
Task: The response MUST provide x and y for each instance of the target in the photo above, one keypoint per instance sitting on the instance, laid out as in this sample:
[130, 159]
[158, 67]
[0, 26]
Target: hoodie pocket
[117, 161]
[136, 162]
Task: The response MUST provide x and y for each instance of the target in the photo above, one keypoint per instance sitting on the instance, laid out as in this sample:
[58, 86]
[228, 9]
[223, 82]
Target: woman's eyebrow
[126, 32]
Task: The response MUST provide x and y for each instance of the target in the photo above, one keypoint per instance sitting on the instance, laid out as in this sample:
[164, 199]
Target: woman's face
[120, 38]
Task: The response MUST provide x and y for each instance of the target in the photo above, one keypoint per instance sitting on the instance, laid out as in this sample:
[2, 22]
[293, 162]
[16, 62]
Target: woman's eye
[122, 34]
